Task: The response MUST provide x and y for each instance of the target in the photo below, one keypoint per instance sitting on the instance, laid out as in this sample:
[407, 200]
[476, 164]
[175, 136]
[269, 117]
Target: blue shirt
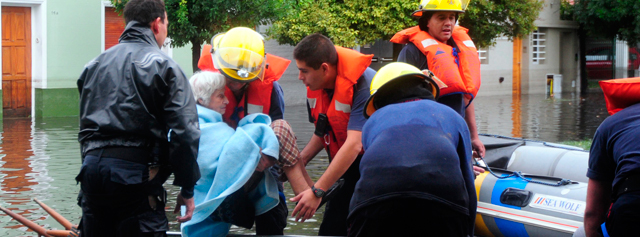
[615, 151]
[360, 96]
[412, 55]
[419, 149]
[276, 110]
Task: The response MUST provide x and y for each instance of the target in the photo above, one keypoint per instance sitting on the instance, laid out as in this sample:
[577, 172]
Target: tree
[609, 19]
[347, 23]
[357, 22]
[196, 21]
[489, 19]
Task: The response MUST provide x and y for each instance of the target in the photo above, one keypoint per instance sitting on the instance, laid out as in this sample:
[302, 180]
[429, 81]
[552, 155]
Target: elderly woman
[231, 163]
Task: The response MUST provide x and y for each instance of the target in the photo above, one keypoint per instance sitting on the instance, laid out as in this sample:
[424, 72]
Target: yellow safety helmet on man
[239, 54]
[400, 74]
[441, 5]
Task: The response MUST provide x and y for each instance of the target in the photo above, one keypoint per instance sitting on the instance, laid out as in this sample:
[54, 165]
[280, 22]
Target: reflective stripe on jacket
[351, 65]
[442, 59]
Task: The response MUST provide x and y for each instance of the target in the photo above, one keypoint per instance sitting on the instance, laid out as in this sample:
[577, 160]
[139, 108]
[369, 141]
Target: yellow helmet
[215, 40]
[239, 54]
[441, 5]
[396, 71]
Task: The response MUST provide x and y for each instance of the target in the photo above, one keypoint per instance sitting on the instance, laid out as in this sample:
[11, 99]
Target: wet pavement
[40, 158]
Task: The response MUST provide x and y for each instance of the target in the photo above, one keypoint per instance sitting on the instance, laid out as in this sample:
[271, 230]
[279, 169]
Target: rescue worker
[439, 45]
[337, 81]
[252, 87]
[613, 193]
[416, 171]
[132, 98]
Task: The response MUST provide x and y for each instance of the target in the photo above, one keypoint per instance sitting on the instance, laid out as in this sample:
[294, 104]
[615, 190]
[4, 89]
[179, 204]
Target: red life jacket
[257, 95]
[457, 78]
[351, 66]
[620, 93]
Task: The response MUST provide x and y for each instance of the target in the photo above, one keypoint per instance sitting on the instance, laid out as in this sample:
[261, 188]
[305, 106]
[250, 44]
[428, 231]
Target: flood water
[40, 158]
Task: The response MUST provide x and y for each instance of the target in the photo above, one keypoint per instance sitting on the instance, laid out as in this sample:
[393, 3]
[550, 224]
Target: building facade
[46, 44]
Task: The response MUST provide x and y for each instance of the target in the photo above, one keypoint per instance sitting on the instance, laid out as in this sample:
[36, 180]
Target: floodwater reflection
[40, 158]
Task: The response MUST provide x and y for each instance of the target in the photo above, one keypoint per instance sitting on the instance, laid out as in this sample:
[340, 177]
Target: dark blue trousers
[116, 199]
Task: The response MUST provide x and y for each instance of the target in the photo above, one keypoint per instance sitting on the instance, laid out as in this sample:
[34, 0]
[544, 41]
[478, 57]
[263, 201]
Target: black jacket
[133, 95]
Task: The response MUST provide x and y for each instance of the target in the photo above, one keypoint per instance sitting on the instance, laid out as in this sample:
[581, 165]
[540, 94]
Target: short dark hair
[316, 49]
[144, 11]
[424, 21]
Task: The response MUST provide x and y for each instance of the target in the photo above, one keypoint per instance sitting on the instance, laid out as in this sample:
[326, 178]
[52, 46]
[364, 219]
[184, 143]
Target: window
[484, 56]
[538, 43]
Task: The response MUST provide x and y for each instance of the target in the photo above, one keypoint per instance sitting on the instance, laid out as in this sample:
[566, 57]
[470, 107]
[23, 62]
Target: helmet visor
[240, 64]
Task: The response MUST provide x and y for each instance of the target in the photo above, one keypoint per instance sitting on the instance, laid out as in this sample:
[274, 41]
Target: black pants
[237, 209]
[334, 222]
[624, 215]
[408, 217]
[274, 221]
[116, 199]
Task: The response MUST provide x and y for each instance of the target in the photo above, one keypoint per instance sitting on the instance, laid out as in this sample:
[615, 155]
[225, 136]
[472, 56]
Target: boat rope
[538, 141]
[519, 174]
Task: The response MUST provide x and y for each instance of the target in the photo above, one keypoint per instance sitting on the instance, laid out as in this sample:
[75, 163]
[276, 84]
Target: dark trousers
[408, 217]
[116, 199]
[237, 209]
[334, 222]
[624, 215]
[274, 221]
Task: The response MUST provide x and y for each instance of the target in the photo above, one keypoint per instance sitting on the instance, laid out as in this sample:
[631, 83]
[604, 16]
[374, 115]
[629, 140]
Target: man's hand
[477, 170]
[265, 162]
[478, 147]
[307, 205]
[190, 207]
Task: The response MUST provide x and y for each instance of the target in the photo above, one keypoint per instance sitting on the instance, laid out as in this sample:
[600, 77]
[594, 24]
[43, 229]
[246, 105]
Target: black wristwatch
[318, 192]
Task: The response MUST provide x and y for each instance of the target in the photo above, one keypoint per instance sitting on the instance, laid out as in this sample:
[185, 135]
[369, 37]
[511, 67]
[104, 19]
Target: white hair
[204, 83]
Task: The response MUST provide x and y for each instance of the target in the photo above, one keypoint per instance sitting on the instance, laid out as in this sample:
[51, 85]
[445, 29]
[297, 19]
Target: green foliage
[567, 10]
[358, 22]
[196, 21]
[584, 144]
[610, 18]
[347, 23]
[489, 19]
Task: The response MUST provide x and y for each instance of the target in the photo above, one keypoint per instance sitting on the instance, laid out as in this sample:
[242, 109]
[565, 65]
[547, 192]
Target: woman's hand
[265, 162]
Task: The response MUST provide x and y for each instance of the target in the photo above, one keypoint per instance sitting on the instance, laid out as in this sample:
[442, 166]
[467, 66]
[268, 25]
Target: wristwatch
[318, 192]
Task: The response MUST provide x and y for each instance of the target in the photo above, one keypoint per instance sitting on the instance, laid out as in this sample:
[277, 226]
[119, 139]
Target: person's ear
[155, 25]
[200, 101]
[324, 67]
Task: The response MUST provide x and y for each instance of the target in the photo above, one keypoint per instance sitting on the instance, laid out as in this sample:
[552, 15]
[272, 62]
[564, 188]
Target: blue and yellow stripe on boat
[481, 227]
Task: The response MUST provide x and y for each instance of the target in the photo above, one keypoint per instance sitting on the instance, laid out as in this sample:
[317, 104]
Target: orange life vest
[205, 63]
[351, 66]
[459, 74]
[620, 93]
[257, 95]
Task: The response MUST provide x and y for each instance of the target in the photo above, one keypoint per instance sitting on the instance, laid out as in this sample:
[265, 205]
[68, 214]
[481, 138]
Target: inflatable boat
[534, 188]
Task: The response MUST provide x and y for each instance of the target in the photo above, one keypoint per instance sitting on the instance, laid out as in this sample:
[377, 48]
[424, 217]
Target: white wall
[500, 64]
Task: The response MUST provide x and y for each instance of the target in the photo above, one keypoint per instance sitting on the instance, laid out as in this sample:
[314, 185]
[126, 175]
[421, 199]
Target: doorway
[16, 61]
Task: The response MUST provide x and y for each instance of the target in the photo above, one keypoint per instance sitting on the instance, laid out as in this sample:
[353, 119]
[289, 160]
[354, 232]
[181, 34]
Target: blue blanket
[227, 159]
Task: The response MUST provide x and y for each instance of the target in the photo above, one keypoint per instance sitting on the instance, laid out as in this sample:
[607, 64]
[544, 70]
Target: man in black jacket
[138, 124]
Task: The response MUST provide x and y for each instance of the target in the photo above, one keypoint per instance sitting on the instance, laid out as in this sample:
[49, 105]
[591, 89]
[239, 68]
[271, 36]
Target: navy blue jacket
[615, 151]
[419, 149]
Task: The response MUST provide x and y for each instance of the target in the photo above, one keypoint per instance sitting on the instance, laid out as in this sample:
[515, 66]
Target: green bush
[584, 144]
